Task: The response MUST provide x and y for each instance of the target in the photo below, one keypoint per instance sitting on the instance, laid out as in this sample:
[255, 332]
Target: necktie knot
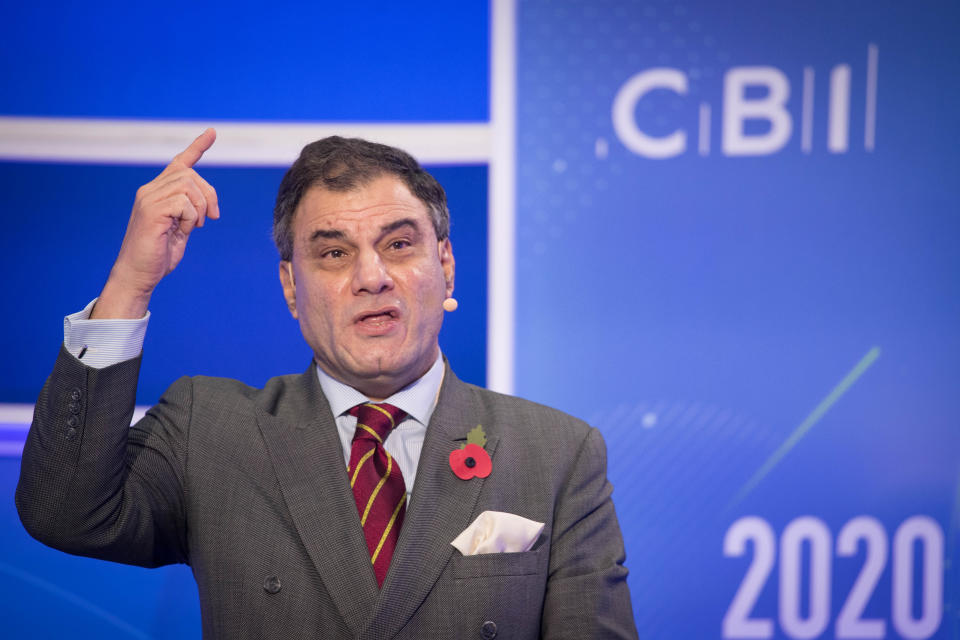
[375, 420]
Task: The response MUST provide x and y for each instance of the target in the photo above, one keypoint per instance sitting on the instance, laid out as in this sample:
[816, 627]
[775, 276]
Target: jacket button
[73, 421]
[71, 433]
[271, 584]
[75, 394]
[489, 630]
[74, 407]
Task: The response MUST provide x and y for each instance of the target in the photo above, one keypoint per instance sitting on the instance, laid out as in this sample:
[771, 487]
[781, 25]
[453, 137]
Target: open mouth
[378, 317]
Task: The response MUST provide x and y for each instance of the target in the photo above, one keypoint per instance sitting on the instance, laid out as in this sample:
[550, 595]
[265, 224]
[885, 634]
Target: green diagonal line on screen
[819, 411]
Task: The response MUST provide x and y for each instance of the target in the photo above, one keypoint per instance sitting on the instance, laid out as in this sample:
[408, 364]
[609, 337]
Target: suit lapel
[441, 507]
[303, 444]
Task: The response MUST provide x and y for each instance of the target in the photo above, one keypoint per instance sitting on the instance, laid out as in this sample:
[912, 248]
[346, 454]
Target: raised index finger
[189, 156]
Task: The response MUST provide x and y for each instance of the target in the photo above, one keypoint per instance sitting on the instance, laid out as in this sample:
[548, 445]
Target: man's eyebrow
[329, 234]
[396, 224]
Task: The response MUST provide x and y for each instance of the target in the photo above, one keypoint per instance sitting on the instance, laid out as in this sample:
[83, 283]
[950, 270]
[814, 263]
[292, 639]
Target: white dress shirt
[107, 342]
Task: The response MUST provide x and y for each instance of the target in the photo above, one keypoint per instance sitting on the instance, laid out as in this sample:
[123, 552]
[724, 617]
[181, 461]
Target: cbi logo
[755, 93]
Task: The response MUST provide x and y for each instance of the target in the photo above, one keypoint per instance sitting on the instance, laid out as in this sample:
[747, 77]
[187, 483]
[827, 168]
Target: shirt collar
[418, 399]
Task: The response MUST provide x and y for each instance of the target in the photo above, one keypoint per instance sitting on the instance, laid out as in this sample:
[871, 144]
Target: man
[302, 510]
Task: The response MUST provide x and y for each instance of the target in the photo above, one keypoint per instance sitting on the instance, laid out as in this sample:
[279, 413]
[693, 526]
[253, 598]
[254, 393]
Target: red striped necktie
[377, 483]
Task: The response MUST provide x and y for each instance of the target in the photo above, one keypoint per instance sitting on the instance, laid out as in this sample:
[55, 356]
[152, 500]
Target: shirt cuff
[101, 343]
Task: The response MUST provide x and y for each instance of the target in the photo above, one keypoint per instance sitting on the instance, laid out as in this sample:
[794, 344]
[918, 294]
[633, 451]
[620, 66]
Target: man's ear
[447, 262]
[289, 285]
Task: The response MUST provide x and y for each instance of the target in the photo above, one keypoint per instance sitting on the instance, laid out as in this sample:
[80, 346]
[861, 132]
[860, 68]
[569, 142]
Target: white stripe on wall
[14, 415]
[238, 143]
[15, 421]
[17, 417]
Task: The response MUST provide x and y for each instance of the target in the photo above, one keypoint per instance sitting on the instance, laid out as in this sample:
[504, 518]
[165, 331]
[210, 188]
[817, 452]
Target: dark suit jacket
[248, 486]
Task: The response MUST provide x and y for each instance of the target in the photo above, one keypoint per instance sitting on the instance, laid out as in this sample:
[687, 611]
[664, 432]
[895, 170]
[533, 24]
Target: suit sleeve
[587, 594]
[92, 485]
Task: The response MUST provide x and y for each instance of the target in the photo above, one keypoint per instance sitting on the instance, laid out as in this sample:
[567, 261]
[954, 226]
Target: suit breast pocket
[497, 564]
[504, 588]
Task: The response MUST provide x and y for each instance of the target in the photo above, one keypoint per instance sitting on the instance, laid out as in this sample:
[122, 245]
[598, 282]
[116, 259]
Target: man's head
[365, 261]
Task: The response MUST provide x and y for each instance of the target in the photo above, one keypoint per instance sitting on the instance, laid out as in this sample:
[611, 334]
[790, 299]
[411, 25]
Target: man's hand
[165, 211]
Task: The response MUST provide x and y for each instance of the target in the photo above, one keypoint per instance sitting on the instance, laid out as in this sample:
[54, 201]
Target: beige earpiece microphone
[450, 304]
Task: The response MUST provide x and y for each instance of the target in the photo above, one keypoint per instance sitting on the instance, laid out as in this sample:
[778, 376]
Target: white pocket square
[498, 532]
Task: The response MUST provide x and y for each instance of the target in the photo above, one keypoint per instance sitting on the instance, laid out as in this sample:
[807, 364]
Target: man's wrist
[120, 302]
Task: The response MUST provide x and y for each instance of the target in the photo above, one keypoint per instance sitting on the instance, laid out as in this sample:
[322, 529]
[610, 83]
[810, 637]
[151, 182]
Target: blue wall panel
[221, 312]
[371, 61]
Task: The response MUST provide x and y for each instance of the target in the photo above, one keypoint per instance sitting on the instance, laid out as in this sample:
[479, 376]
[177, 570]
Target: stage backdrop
[737, 256]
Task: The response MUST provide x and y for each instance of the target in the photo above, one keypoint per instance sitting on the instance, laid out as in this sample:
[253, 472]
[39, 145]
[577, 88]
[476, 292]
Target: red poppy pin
[471, 460]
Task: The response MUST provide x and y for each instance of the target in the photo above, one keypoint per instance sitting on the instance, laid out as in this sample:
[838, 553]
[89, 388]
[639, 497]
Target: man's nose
[370, 275]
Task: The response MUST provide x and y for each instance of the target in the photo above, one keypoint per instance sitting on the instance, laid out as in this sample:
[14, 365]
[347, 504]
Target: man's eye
[333, 253]
[399, 244]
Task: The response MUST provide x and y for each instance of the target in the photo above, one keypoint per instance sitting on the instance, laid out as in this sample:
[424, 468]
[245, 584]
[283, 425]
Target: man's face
[367, 281]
